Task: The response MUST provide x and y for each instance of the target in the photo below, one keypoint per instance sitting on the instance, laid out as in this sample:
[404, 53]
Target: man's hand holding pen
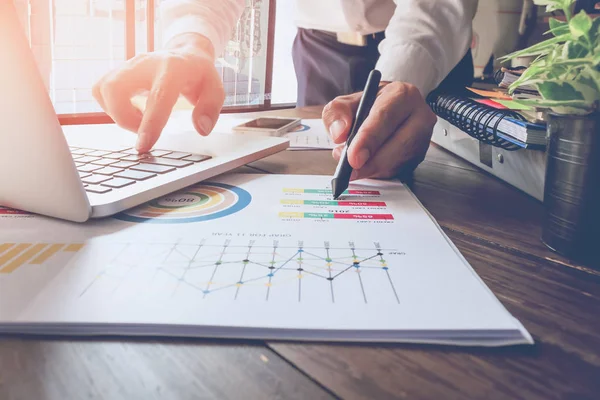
[394, 137]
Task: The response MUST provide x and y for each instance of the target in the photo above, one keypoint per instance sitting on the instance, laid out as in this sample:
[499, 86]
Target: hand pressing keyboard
[103, 171]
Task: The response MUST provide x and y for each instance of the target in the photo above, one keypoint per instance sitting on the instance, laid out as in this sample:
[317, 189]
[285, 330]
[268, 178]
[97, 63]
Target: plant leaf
[532, 82]
[587, 87]
[539, 48]
[591, 77]
[557, 71]
[580, 25]
[576, 62]
[557, 27]
[531, 73]
[570, 106]
[595, 32]
[559, 91]
[553, 5]
[575, 50]
[566, 69]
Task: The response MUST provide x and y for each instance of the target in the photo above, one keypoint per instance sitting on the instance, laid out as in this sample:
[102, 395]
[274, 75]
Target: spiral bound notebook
[506, 129]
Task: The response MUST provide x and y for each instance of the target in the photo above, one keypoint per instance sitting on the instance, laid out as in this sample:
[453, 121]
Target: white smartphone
[272, 126]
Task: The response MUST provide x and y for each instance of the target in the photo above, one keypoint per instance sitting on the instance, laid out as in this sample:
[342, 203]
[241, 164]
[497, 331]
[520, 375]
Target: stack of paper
[251, 256]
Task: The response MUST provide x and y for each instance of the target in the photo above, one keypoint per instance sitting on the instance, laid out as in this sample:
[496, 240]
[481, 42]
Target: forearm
[425, 40]
[199, 22]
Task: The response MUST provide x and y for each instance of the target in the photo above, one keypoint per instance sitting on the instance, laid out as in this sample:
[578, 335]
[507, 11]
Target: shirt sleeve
[214, 19]
[425, 40]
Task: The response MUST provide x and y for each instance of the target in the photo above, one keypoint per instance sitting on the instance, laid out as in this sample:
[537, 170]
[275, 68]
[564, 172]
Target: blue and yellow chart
[201, 202]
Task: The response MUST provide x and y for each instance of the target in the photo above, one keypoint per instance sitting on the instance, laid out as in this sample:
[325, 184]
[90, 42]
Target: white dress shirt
[425, 39]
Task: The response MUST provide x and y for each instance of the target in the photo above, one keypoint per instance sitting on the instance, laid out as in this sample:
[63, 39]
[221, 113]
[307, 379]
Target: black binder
[478, 120]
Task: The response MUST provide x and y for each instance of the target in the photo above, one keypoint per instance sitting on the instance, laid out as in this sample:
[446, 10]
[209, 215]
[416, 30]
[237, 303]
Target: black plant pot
[572, 187]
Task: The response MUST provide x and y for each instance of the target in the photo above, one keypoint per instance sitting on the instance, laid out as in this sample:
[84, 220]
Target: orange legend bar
[74, 247]
[23, 258]
[10, 254]
[5, 246]
[49, 252]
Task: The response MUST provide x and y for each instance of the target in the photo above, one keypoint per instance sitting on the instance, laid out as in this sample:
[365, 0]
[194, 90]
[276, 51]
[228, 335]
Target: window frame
[130, 51]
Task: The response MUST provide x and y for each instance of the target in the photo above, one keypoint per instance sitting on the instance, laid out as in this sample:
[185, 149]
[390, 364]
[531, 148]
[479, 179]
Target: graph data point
[218, 263]
[385, 268]
[356, 265]
[300, 251]
[329, 279]
[328, 259]
[246, 261]
[380, 254]
[271, 275]
[271, 267]
[300, 269]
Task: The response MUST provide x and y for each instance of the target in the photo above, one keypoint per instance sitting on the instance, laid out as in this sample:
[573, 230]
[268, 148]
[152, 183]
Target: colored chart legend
[15, 255]
[335, 203]
[286, 215]
[328, 191]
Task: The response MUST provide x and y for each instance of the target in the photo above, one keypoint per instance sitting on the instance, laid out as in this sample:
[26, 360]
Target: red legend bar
[362, 203]
[10, 211]
[364, 192]
[363, 216]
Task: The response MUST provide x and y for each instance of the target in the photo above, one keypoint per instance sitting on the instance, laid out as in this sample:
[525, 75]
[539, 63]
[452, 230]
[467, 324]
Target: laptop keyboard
[104, 171]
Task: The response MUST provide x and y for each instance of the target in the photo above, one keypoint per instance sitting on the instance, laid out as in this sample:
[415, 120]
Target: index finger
[338, 114]
[162, 98]
[113, 92]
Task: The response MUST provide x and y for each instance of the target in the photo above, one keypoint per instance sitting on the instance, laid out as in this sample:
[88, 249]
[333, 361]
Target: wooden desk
[494, 226]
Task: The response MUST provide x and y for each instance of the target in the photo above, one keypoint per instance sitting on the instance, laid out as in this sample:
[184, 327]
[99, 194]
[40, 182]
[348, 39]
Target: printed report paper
[251, 256]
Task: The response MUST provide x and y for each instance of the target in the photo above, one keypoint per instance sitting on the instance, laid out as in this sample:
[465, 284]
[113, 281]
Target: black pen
[341, 177]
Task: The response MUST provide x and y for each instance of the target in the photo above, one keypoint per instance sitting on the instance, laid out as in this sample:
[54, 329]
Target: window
[75, 42]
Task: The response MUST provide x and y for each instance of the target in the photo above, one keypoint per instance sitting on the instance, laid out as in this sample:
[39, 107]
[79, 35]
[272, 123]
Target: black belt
[354, 38]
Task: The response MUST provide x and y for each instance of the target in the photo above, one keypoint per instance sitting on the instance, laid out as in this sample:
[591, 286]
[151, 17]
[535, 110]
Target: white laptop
[92, 171]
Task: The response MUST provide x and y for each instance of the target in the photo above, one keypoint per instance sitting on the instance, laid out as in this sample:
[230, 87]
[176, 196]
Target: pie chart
[201, 202]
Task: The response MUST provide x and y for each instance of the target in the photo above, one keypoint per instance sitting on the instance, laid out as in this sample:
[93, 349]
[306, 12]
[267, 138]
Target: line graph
[256, 269]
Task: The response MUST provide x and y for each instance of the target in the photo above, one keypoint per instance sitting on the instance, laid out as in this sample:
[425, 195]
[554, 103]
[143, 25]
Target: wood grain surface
[495, 227]
[108, 369]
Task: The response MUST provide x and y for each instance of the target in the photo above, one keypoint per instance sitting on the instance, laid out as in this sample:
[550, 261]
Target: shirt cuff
[193, 24]
[410, 63]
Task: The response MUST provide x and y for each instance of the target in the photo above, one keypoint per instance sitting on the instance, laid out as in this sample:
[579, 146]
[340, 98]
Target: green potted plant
[566, 73]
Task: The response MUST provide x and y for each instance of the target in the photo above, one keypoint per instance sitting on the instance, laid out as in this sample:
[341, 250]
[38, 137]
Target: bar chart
[15, 255]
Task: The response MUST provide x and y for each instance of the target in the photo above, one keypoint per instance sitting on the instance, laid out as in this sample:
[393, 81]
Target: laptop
[80, 172]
